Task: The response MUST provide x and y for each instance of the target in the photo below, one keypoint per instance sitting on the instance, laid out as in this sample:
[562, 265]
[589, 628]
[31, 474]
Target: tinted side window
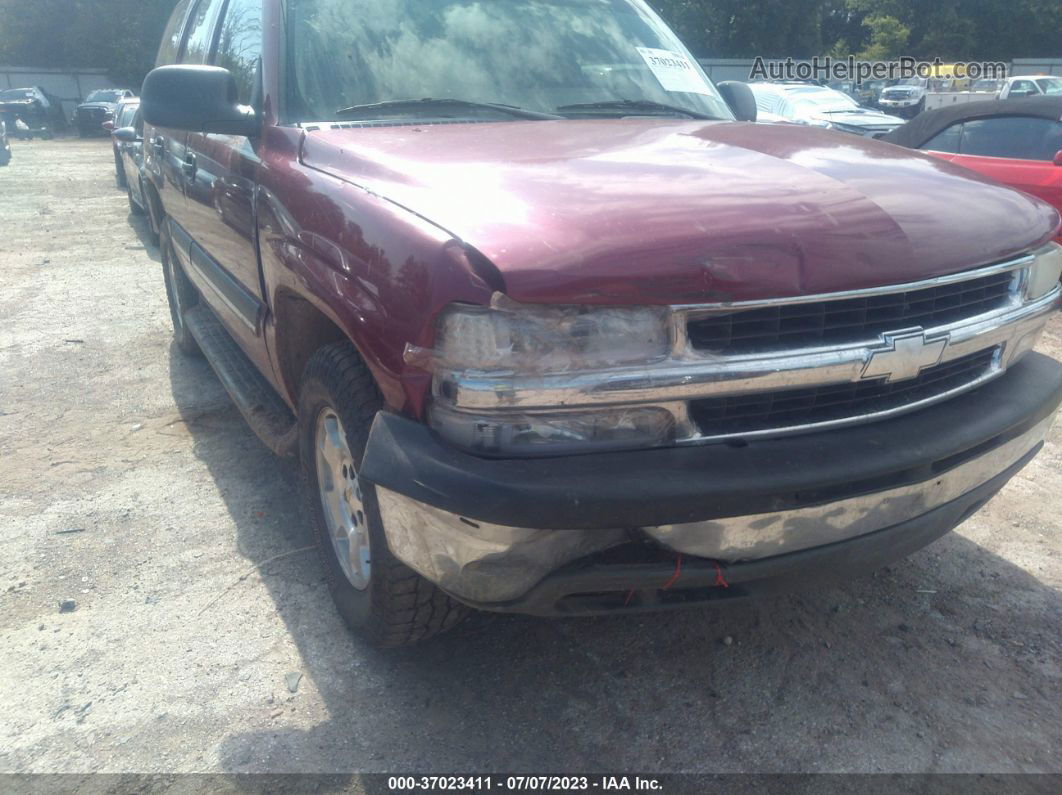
[947, 141]
[1019, 137]
[199, 43]
[240, 45]
[171, 39]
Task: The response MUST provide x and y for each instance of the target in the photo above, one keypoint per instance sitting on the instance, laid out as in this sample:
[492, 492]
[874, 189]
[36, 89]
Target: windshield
[539, 55]
[15, 93]
[1051, 85]
[986, 85]
[912, 81]
[104, 96]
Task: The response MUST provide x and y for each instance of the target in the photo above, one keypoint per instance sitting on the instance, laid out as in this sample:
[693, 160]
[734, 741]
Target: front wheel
[119, 171]
[182, 296]
[376, 594]
[134, 208]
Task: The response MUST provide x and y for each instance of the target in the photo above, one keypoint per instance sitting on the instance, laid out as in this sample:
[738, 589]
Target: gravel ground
[130, 485]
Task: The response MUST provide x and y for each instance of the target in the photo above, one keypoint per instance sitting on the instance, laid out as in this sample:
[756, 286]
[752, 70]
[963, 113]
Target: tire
[135, 208]
[391, 605]
[182, 296]
[119, 172]
[153, 213]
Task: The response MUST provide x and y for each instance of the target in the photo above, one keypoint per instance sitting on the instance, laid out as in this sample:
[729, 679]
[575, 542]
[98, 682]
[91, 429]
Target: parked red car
[552, 332]
[1017, 142]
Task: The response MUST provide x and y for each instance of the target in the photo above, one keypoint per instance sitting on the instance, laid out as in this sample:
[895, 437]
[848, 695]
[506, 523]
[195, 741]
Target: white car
[806, 103]
[1031, 86]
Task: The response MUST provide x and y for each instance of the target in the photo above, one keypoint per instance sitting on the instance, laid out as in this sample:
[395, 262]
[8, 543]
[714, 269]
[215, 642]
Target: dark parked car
[1017, 142]
[131, 150]
[123, 118]
[99, 107]
[570, 340]
[31, 111]
[5, 145]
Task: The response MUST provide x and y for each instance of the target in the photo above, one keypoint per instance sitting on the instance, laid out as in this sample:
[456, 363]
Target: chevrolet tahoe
[553, 327]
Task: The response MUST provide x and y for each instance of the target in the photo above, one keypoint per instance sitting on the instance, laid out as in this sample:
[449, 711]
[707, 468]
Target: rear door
[170, 146]
[164, 148]
[220, 185]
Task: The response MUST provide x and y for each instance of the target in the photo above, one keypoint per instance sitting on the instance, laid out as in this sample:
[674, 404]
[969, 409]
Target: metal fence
[69, 86]
[1037, 66]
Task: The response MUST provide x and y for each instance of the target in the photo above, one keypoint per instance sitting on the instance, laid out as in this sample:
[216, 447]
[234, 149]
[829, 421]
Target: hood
[860, 118]
[18, 104]
[664, 211]
[111, 106]
[903, 91]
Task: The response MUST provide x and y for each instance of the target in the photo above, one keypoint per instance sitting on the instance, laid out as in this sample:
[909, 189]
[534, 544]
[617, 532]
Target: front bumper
[594, 533]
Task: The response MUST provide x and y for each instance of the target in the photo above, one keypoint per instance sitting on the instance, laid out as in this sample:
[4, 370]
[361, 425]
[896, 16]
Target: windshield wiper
[400, 105]
[636, 105]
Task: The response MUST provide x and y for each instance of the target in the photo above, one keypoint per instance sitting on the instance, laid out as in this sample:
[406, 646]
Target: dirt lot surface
[130, 485]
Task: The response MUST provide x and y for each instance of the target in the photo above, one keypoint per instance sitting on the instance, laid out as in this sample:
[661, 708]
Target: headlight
[514, 342]
[546, 339]
[1045, 272]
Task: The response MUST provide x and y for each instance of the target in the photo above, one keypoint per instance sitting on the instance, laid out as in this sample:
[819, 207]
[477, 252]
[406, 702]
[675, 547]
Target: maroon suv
[552, 332]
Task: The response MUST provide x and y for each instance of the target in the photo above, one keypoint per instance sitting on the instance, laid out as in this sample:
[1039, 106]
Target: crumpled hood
[664, 211]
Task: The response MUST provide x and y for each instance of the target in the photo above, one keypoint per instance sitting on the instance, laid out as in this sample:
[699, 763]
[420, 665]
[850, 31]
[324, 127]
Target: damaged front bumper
[661, 528]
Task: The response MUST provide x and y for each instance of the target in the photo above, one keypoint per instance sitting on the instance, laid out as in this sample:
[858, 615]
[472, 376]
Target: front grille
[764, 411]
[848, 320]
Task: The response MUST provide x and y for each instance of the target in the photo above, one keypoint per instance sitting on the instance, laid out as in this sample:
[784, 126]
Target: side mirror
[197, 99]
[108, 126]
[1058, 158]
[740, 99]
[127, 135]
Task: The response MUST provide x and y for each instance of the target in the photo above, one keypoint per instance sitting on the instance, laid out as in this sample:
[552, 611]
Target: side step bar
[265, 411]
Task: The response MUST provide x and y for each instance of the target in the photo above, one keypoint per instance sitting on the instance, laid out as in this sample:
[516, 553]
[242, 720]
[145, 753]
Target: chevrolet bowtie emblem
[904, 356]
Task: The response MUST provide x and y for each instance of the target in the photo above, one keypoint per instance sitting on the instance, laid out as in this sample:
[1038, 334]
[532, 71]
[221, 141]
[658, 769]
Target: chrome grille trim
[938, 281]
[689, 374]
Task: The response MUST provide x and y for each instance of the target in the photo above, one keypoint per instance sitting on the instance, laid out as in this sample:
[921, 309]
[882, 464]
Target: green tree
[888, 39]
[121, 36]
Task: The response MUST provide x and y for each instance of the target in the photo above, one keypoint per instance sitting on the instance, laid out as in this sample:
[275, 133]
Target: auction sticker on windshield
[674, 71]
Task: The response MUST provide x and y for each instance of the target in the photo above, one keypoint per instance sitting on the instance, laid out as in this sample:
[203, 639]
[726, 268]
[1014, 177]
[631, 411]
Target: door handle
[189, 167]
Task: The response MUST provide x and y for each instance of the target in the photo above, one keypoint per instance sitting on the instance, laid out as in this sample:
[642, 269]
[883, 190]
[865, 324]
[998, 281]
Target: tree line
[122, 35]
[955, 30]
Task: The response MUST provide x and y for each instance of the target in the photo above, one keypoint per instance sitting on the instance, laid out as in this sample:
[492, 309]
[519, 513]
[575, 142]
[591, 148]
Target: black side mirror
[198, 99]
[740, 99]
[127, 135]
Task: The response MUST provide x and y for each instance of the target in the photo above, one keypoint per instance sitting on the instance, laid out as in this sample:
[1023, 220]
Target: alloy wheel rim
[341, 499]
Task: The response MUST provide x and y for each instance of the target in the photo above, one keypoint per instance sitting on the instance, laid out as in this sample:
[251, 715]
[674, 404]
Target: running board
[265, 411]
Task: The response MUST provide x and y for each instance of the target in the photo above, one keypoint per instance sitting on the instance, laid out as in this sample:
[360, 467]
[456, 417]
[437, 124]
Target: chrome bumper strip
[485, 562]
[767, 534]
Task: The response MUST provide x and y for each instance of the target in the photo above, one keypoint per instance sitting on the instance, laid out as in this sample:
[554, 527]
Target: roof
[927, 125]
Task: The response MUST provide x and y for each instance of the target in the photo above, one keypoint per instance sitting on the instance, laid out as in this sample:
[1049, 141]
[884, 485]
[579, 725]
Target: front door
[220, 181]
